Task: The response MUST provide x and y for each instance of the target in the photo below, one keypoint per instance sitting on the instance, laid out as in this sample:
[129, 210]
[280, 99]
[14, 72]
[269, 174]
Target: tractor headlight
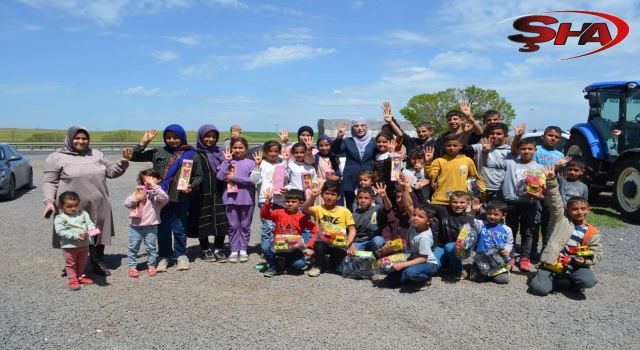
[631, 85]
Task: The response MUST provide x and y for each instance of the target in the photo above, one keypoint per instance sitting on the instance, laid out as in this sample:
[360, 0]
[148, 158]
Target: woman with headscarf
[359, 151]
[78, 168]
[207, 215]
[167, 161]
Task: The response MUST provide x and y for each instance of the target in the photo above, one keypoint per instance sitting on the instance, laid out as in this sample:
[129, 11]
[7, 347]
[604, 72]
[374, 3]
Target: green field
[47, 135]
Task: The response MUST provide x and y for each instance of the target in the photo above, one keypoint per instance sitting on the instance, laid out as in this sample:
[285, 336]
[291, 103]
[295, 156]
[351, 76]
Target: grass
[606, 218]
[24, 135]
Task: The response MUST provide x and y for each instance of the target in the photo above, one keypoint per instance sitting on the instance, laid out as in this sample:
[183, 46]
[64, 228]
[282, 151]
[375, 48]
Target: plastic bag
[384, 264]
[465, 242]
[392, 247]
[472, 188]
[359, 266]
[334, 239]
[287, 243]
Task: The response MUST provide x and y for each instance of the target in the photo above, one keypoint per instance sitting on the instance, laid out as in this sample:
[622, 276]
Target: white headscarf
[363, 141]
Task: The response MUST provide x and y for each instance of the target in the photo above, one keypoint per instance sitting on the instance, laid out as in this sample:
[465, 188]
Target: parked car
[537, 136]
[15, 171]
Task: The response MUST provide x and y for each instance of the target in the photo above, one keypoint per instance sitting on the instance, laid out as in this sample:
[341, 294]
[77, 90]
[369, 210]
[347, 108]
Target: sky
[266, 65]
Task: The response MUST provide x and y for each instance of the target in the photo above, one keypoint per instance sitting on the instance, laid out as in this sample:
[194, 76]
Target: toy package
[337, 239]
[465, 242]
[392, 247]
[136, 212]
[384, 264]
[278, 177]
[396, 166]
[535, 181]
[492, 262]
[94, 232]
[472, 188]
[307, 182]
[359, 266]
[287, 243]
[185, 174]
[231, 187]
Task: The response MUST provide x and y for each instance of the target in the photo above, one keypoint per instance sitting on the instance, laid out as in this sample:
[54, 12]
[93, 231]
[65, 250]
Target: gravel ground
[233, 306]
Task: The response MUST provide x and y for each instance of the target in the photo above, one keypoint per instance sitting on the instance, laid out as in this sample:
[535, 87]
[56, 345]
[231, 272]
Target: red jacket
[290, 224]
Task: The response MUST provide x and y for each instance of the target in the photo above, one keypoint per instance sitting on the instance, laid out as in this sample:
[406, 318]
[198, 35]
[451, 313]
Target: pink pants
[75, 259]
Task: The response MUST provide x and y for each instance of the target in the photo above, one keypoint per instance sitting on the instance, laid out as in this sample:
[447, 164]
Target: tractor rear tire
[578, 145]
[626, 190]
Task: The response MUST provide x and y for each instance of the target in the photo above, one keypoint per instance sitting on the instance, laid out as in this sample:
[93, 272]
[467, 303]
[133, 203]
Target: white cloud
[526, 68]
[286, 53]
[191, 40]
[161, 55]
[298, 34]
[405, 37]
[199, 70]
[460, 60]
[229, 3]
[139, 90]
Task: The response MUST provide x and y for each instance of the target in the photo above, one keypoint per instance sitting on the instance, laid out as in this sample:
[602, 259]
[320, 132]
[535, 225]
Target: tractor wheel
[578, 146]
[626, 190]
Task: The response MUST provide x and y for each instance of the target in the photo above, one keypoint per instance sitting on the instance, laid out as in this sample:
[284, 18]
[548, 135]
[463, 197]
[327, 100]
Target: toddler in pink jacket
[145, 204]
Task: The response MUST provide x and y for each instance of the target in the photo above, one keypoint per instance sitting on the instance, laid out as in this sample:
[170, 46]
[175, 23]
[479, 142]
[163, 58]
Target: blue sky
[267, 65]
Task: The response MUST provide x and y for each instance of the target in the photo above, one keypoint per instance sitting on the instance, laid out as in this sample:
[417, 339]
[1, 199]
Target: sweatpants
[239, 217]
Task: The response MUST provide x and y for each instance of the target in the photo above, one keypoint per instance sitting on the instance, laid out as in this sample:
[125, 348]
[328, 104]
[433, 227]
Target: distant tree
[434, 107]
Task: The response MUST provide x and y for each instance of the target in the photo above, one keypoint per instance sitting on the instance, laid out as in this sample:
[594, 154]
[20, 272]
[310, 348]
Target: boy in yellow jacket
[450, 172]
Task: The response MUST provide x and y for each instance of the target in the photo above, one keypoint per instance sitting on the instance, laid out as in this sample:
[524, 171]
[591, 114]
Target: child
[234, 131]
[425, 136]
[263, 176]
[415, 172]
[145, 205]
[370, 219]
[456, 122]
[327, 164]
[422, 263]
[207, 215]
[491, 117]
[299, 174]
[72, 226]
[167, 161]
[450, 173]
[383, 163]
[570, 232]
[492, 150]
[522, 188]
[571, 186]
[398, 219]
[493, 246]
[447, 223]
[288, 221]
[366, 178]
[330, 218]
[238, 197]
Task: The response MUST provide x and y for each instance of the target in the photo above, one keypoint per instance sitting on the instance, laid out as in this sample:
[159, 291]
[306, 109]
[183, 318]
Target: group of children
[430, 194]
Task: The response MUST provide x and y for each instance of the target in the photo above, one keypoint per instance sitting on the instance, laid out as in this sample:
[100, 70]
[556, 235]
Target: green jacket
[563, 228]
[69, 227]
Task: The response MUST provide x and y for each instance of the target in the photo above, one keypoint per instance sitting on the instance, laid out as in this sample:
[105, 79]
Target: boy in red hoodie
[288, 221]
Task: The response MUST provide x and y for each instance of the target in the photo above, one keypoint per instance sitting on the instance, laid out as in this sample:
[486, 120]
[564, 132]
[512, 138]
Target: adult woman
[206, 213]
[359, 150]
[76, 167]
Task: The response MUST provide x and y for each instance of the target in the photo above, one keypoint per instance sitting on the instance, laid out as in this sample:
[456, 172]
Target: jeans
[523, 216]
[544, 281]
[371, 245]
[148, 234]
[448, 253]
[173, 218]
[267, 227]
[417, 273]
[294, 259]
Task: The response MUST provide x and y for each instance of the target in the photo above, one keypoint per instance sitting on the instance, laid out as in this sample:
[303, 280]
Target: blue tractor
[609, 143]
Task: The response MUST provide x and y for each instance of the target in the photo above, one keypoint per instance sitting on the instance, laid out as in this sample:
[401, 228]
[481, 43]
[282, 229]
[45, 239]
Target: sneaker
[271, 272]
[74, 284]
[220, 257]
[233, 258]
[314, 272]
[183, 263]
[243, 258]
[101, 270]
[85, 280]
[525, 265]
[133, 272]
[162, 265]
[208, 256]
[151, 271]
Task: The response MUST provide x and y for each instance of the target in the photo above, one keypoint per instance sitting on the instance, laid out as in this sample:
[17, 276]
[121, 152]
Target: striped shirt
[576, 240]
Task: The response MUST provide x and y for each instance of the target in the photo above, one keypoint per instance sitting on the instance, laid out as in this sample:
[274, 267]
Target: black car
[15, 171]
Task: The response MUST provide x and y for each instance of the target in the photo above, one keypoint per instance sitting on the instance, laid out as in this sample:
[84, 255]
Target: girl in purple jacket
[238, 196]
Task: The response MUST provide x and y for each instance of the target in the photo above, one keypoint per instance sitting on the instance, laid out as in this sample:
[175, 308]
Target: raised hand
[308, 141]
[403, 182]
[422, 183]
[381, 188]
[284, 136]
[486, 144]
[468, 126]
[465, 107]
[386, 111]
[476, 204]
[550, 172]
[127, 153]
[520, 129]
[562, 162]
[392, 145]
[315, 190]
[148, 136]
[151, 181]
[228, 155]
[257, 157]
[342, 130]
[419, 164]
[428, 154]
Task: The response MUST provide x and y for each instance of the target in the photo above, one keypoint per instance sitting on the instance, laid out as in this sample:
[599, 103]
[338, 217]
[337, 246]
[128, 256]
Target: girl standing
[238, 197]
